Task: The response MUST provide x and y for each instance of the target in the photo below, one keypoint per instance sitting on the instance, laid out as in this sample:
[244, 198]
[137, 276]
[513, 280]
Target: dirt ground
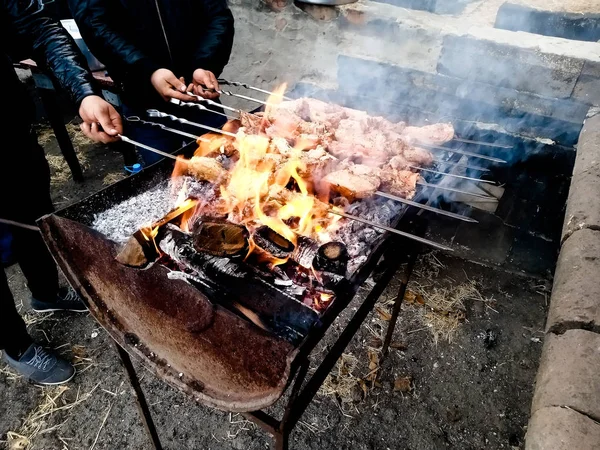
[460, 376]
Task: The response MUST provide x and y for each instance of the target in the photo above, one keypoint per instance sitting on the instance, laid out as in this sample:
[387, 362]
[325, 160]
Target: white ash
[119, 222]
[360, 238]
[122, 220]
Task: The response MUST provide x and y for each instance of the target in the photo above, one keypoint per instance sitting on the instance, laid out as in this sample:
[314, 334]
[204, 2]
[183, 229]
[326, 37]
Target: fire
[266, 184]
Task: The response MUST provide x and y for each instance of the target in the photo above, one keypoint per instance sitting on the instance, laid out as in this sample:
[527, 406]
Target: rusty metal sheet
[198, 347]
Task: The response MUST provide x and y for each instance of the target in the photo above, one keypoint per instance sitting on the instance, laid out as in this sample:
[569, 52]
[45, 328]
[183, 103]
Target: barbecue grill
[193, 338]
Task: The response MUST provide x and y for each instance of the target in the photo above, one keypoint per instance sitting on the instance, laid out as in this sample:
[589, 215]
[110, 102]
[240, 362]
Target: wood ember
[219, 237]
[305, 251]
[272, 242]
[132, 254]
[332, 257]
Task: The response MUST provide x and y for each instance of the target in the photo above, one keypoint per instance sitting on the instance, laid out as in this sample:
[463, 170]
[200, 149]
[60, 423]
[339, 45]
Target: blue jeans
[167, 141]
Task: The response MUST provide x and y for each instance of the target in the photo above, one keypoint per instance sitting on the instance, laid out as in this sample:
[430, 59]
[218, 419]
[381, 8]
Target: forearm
[53, 49]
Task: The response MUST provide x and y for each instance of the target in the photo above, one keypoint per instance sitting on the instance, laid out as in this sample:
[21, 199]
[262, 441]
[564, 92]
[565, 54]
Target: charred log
[179, 246]
[218, 237]
[332, 257]
[305, 251]
[272, 242]
[280, 312]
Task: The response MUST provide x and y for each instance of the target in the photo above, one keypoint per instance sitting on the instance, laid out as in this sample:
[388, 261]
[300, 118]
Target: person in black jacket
[151, 48]
[25, 31]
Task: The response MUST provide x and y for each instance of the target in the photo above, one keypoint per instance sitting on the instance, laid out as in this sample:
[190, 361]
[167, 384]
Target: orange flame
[265, 185]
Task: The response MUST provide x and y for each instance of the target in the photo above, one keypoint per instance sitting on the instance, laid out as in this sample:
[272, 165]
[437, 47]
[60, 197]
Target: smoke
[492, 85]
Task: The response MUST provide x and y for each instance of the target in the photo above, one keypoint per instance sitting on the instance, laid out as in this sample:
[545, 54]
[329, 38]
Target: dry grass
[343, 383]
[58, 166]
[36, 423]
[113, 177]
[8, 373]
[444, 307]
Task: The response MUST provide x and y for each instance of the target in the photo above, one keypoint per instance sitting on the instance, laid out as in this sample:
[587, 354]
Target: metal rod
[231, 94]
[398, 303]
[335, 352]
[19, 224]
[156, 113]
[200, 99]
[462, 177]
[425, 207]
[487, 144]
[458, 191]
[200, 106]
[466, 166]
[147, 147]
[392, 230]
[460, 152]
[247, 86]
[141, 402]
[136, 119]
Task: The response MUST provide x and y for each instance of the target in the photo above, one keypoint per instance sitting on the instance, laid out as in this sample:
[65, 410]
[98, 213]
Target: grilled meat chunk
[435, 134]
[207, 169]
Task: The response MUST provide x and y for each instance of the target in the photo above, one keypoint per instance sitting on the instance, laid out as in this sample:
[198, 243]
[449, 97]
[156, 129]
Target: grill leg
[140, 397]
[282, 441]
[398, 302]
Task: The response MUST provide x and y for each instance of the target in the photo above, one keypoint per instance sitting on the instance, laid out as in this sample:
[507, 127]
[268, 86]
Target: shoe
[42, 366]
[66, 300]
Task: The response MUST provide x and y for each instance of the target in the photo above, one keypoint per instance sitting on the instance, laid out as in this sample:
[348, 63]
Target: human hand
[101, 121]
[202, 81]
[169, 86]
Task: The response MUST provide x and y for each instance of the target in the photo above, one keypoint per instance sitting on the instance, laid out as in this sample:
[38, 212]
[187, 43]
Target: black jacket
[133, 38]
[27, 32]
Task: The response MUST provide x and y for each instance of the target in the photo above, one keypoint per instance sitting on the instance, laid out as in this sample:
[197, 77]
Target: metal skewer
[164, 127]
[392, 230]
[200, 99]
[453, 164]
[460, 152]
[487, 144]
[247, 86]
[156, 113]
[425, 207]
[462, 177]
[458, 191]
[147, 147]
[200, 106]
[231, 94]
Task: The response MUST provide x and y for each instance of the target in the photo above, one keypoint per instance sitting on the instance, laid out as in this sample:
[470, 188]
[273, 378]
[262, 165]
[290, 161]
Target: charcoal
[272, 242]
[179, 246]
[332, 257]
[305, 252]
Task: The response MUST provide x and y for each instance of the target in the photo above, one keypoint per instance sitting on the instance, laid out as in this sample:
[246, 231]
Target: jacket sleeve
[214, 47]
[93, 18]
[53, 47]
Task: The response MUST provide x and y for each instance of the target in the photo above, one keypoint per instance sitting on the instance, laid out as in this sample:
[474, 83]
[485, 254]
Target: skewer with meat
[436, 134]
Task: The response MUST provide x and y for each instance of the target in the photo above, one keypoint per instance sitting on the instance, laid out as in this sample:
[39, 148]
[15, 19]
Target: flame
[266, 186]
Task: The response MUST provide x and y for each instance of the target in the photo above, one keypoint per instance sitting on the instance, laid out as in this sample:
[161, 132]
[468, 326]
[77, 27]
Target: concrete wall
[418, 62]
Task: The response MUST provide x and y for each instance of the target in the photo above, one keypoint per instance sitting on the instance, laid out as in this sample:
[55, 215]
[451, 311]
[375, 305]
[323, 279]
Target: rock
[556, 428]
[576, 293]
[583, 204]
[587, 89]
[568, 373]
[491, 339]
[402, 384]
[511, 60]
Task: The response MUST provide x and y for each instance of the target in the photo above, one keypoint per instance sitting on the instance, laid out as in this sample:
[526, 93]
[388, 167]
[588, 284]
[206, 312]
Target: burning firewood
[219, 237]
[332, 257]
[132, 254]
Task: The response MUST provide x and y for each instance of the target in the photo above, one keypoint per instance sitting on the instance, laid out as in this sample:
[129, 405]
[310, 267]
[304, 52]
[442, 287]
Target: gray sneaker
[42, 366]
[66, 300]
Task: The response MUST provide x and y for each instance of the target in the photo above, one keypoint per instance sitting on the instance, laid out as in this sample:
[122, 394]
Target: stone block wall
[422, 66]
